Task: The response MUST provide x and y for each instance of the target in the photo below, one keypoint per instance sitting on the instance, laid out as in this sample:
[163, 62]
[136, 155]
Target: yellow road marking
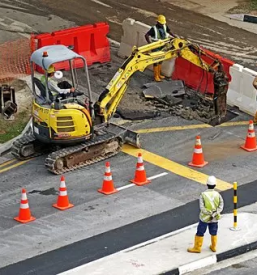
[174, 167]
[188, 127]
[14, 166]
[7, 162]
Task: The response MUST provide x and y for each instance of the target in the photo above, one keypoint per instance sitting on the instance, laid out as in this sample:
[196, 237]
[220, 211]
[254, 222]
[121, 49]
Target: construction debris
[186, 103]
[136, 114]
[161, 89]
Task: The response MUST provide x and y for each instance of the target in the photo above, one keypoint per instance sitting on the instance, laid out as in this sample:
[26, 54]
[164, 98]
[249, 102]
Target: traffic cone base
[198, 165]
[63, 208]
[24, 221]
[140, 183]
[247, 149]
[107, 192]
[108, 185]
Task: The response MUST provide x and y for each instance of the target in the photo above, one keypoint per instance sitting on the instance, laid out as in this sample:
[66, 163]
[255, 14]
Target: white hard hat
[58, 74]
[211, 181]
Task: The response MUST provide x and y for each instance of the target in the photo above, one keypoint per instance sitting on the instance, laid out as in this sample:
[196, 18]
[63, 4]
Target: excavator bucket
[127, 136]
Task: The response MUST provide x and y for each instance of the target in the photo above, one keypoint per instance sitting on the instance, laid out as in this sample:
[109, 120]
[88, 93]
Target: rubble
[136, 114]
[188, 105]
[164, 88]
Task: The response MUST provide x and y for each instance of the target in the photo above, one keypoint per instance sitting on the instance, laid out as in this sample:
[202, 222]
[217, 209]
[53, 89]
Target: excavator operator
[158, 32]
[61, 89]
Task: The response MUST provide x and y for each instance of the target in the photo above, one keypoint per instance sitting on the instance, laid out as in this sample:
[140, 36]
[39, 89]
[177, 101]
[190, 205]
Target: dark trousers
[202, 226]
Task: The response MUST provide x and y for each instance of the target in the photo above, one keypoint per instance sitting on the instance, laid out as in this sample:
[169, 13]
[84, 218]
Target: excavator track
[51, 161]
[104, 145]
[30, 143]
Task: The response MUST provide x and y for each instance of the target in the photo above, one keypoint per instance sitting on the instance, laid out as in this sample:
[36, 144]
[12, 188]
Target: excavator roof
[48, 55]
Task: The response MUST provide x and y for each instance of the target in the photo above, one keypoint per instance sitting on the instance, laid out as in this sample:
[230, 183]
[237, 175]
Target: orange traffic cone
[63, 200]
[250, 141]
[108, 185]
[24, 213]
[140, 174]
[198, 158]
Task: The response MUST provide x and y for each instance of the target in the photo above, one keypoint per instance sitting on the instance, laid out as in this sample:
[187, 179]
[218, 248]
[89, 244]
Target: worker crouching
[211, 206]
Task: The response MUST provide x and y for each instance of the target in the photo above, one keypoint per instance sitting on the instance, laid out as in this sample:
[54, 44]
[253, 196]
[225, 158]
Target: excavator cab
[55, 119]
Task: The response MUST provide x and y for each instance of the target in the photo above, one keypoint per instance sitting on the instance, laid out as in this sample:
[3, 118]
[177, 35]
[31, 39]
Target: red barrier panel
[90, 41]
[197, 78]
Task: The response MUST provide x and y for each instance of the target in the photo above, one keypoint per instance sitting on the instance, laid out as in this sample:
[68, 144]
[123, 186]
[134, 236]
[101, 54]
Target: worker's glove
[214, 214]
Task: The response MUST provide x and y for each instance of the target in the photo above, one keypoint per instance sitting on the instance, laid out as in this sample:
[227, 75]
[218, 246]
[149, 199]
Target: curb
[6, 147]
[243, 17]
[212, 259]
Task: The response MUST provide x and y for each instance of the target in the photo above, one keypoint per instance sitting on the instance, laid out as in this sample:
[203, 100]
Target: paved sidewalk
[168, 253]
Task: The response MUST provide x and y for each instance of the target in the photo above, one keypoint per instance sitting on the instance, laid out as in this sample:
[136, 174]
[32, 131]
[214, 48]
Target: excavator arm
[144, 56]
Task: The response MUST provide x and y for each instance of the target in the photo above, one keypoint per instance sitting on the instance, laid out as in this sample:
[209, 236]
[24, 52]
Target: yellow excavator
[75, 132]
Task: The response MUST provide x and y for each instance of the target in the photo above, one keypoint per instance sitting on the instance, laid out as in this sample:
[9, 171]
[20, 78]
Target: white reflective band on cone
[108, 178]
[24, 205]
[198, 151]
[62, 184]
[108, 169]
[198, 142]
[141, 168]
[63, 193]
[24, 196]
[140, 160]
[251, 135]
[251, 126]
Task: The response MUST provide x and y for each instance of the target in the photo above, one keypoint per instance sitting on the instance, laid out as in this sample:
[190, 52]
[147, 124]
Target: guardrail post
[235, 227]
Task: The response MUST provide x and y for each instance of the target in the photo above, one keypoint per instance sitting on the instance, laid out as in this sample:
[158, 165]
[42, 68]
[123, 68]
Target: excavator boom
[144, 56]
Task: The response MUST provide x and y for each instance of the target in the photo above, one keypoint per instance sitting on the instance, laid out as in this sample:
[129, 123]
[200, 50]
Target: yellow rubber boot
[198, 245]
[159, 72]
[213, 243]
[156, 74]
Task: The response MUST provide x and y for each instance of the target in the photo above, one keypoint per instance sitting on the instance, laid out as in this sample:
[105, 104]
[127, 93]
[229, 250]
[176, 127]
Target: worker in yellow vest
[158, 32]
[211, 206]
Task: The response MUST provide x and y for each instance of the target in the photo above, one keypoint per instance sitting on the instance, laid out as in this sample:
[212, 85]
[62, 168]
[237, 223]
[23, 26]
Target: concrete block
[248, 93]
[234, 95]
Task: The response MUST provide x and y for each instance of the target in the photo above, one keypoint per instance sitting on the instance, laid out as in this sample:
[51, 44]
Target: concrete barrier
[233, 96]
[241, 92]
[134, 35]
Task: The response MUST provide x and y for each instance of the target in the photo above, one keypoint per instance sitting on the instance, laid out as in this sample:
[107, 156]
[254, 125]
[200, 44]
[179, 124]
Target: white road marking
[150, 178]
[125, 187]
[157, 176]
[101, 3]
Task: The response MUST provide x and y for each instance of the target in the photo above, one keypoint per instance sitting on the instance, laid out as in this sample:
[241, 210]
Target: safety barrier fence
[14, 59]
[241, 93]
[90, 41]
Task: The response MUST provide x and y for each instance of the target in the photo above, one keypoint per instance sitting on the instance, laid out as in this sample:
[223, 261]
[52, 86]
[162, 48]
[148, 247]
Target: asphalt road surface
[244, 268]
[234, 43]
[99, 225]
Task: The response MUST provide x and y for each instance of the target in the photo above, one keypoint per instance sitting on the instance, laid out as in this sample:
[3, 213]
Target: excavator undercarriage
[107, 142]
